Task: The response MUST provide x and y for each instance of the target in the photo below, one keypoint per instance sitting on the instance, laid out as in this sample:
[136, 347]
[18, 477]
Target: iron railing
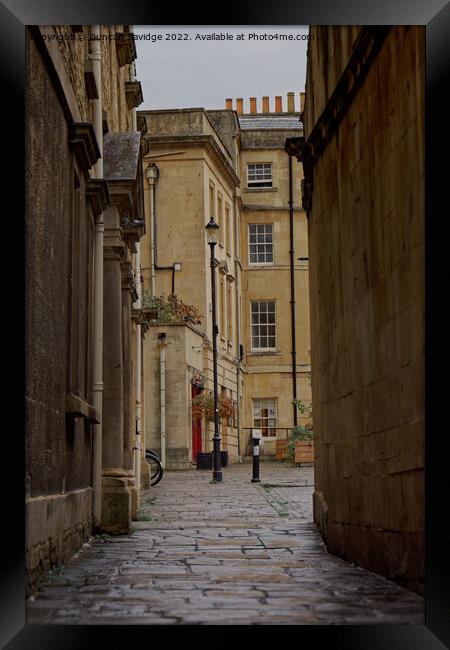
[282, 433]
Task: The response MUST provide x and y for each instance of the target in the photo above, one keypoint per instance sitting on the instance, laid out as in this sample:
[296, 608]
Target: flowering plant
[203, 406]
[170, 309]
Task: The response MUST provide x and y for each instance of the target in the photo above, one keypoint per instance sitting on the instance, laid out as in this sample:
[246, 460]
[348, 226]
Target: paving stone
[221, 554]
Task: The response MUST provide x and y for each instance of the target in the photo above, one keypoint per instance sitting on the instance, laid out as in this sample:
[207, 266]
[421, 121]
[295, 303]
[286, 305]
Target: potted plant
[300, 448]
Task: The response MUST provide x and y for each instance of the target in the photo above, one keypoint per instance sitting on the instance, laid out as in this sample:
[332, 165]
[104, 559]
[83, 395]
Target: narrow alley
[217, 554]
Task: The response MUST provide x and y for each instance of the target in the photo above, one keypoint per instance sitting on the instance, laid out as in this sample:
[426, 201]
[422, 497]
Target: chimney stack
[278, 104]
[229, 104]
[239, 105]
[290, 103]
[265, 105]
[302, 101]
[253, 105]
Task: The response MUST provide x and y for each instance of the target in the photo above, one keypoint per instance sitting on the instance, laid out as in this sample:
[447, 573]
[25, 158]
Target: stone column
[145, 473]
[129, 436]
[116, 496]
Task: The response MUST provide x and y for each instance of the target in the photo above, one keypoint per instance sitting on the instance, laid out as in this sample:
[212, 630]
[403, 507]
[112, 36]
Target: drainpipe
[291, 254]
[152, 177]
[162, 374]
[138, 305]
[152, 174]
[96, 58]
[132, 70]
[238, 338]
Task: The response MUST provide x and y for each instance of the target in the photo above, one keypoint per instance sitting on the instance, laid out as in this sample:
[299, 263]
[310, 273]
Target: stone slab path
[232, 553]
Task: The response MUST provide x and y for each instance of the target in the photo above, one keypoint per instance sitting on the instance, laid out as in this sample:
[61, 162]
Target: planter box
[304, 451]
[204, 461]
[280, 449]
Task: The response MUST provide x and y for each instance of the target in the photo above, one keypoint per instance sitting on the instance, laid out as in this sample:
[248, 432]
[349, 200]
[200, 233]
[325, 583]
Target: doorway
[196, 429]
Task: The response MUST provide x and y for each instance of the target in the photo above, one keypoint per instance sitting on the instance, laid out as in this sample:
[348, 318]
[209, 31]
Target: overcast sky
[203, 73]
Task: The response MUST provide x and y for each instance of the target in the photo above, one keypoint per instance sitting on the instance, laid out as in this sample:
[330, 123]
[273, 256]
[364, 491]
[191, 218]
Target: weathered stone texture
[58, 452]
[366, 231]
[57, 457]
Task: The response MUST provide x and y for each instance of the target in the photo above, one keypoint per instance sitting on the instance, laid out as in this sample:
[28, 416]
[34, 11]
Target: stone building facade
[363, 160]
[197, 166]
[84, 219]
[266, 272]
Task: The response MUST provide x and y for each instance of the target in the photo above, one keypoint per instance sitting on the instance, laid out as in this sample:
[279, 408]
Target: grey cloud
[177, 74]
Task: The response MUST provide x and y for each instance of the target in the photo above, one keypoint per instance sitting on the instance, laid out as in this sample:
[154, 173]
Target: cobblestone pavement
[230, 553]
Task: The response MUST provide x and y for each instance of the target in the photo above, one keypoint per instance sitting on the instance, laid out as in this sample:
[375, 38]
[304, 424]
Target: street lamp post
[211, 233]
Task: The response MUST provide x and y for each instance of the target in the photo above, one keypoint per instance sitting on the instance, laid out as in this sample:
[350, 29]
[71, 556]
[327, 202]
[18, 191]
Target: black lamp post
[211, 233]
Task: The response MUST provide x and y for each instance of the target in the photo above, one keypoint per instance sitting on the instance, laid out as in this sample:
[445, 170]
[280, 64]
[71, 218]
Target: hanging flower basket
[198, 379]
[203, 406]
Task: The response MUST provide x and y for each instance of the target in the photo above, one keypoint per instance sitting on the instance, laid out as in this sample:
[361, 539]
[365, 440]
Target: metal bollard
[256, 436]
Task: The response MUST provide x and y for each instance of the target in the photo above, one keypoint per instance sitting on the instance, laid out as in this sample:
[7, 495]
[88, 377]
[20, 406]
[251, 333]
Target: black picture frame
[435, 16]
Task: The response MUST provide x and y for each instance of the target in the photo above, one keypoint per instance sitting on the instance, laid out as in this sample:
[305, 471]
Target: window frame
[275, 402]
[260, 349]
[264, 184]
[250, 263]
[212, 201]
[220, 219]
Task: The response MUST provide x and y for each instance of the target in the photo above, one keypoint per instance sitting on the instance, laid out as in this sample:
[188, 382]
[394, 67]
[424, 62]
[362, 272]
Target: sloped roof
[121, 155]
[270, 122]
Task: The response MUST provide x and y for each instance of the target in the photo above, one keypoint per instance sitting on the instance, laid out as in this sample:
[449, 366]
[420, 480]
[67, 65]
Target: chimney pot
[229, 104]
[253, 105]
[302, 101]
[290, 103]
[239, 105]
[278, 104]
[265, 105]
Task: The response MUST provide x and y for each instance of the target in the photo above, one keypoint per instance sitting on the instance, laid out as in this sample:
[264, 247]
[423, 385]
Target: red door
[196, 429]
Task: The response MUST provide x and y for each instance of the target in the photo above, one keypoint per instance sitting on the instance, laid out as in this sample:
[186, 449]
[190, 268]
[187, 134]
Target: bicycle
[156, 469]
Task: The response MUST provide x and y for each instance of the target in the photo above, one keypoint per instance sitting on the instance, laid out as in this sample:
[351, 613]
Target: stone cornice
[365, 49]
[125, 48]
[121, 193]
[132, 233]
[98, 194]
[78, 408]
[138, 316]
[128, 279]
[133, 94]
[84, 144]
[206, 141]
[113, 242]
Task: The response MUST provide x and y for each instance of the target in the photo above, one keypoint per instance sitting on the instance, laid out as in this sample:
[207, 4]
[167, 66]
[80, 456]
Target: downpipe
[96, 58]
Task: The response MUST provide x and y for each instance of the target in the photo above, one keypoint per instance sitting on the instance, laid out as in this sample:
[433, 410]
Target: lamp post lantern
[212, 229]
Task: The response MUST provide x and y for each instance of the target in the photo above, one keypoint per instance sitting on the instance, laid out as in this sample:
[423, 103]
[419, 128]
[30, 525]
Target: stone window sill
[78, 408]
[260, 189]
